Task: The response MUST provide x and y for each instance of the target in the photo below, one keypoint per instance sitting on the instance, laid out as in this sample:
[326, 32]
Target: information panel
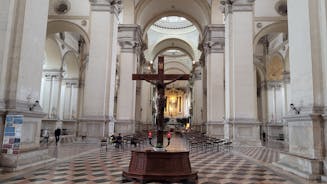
[12, 134]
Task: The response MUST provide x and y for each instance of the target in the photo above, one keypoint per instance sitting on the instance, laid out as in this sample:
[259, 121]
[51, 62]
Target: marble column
[24, 27]
[130, 41]
[241, 107]
[213, 48]
[99, 87]
[306, 73]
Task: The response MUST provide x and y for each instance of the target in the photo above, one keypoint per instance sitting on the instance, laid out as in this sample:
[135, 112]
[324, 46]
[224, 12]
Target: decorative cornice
[21, 105]
[214, 39]
[32, 114]
[215, 122]
[22, 108]
[113, 6]
[130, 38]
[303, 117]
[230, 6]
[95, 118]
[242, 121]
[125, 121]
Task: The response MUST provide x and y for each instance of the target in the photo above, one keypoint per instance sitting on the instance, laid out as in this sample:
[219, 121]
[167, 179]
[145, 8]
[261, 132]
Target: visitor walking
[57, 135]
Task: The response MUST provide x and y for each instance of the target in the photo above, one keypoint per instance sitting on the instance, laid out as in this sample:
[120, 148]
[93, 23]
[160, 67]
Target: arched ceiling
[71, 66]
[65, 26]
[149, 11]
[53, 54]
[172, 43]
[279, 27]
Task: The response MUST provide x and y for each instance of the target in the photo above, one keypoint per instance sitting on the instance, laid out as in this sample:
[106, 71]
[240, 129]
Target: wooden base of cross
[152, 166]
[162, 166]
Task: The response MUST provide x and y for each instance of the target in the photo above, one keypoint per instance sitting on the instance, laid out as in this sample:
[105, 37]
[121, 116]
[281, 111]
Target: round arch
[172, 13]
[272, 28]
[148, 11]
[176, 65]
[57, 26]
[172, 43]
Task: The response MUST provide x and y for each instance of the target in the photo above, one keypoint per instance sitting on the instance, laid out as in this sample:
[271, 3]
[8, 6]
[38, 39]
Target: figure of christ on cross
[159, 81]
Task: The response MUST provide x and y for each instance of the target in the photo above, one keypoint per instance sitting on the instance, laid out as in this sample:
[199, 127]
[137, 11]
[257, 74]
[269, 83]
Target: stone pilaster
[21, 73]
[51, 93]
[213, 47]
[306, 129]
[241, 108]
[197, 97]
[130, 41]
[101, 69]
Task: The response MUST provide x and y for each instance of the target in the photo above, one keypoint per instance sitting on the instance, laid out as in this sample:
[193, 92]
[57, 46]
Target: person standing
[168, 137]
[150, 137]
[57, 135]
[119, 140]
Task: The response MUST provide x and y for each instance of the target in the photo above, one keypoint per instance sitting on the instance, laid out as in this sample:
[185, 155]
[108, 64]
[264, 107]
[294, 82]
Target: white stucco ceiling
[149, 11]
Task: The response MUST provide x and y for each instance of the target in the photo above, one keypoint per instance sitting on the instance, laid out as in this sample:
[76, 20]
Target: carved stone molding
[274, 84]
[130, 38]
[113, 6]
[243, 121]
[95, 119]
[214, 39]
[197, 73]
[55, 74]
[303, 117]
[286, 77]
[23, 107]
[230, 6]
[215, 122]
[72, 82]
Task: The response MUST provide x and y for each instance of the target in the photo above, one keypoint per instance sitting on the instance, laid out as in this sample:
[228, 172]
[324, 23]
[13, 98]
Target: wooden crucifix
[159, 81]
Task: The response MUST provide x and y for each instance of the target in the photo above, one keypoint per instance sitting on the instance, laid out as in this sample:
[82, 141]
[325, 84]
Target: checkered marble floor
[262, 154]
[106, 167]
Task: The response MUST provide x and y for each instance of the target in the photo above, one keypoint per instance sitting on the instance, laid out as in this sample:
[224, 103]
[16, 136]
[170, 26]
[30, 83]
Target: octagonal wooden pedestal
[149, 166]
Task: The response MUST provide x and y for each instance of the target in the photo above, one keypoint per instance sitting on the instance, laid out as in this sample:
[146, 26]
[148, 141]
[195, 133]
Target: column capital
[53, 73]
[229, 6]
[113, 6]
[71, 82]
[274, 84]
[197, 73]
[214, 39]
[130, 38]
[286, 77]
